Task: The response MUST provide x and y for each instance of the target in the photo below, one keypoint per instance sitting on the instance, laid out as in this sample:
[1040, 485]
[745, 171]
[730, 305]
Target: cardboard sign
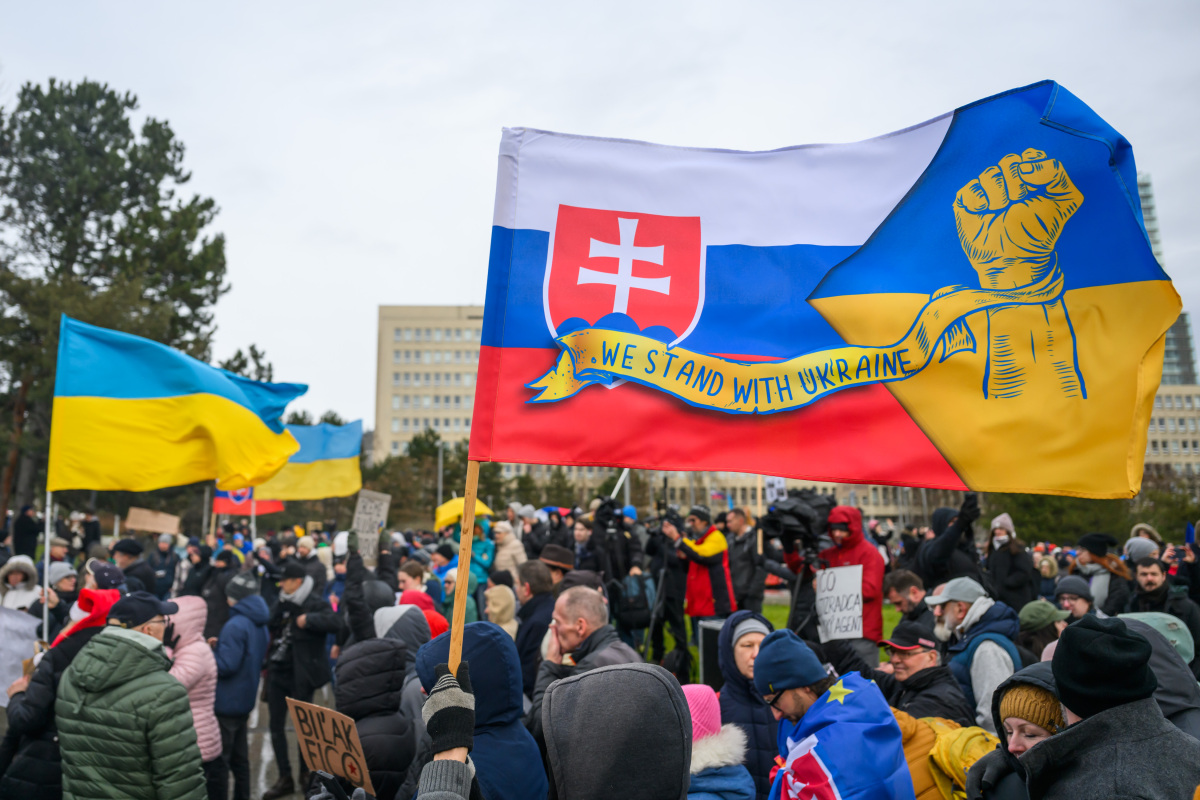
[370, 516]
[328, 741]
[147, 521]
[776, 490]
[840, 603]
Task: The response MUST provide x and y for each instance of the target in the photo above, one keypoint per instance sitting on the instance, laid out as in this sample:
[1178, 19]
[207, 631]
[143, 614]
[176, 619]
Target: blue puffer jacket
[743, 706]
[241, 650]
[721, 783]
[1000, 625]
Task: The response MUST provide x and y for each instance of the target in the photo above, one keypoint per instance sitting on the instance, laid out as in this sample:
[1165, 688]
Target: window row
[1171, 425]
[431, 401]
[1180, 401]
[414, 425]
[1174, 447]
[435, 356]
[435, 334]
[420, 379]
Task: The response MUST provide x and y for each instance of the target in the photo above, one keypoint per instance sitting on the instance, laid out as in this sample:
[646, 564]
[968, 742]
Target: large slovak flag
[899, 310]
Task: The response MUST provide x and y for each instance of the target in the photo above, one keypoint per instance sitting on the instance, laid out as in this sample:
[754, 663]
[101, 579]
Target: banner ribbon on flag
[596, 355]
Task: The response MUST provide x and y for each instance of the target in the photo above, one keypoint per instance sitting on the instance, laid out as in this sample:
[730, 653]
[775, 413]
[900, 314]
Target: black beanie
[1100, 664]
[1097, 544]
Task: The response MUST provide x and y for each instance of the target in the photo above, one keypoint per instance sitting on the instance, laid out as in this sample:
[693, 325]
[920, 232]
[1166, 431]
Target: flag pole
[620, 480]
[46, 567]
[463, 579]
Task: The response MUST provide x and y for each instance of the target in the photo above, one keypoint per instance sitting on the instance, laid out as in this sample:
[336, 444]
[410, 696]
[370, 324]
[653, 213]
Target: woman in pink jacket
[196, 668]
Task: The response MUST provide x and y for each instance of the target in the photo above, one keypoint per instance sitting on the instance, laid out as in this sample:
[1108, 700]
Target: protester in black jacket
[951, 552]
[906, 591]
[1010, 566]
[127, 554]
[198, 575]
[26, 532]
[370, 677]
[164, 561]
[535, 591]
[918, 684]
[1155, 593]
[225, 566]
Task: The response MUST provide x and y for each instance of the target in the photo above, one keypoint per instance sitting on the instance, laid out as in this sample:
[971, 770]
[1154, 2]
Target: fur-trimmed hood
[725, 748]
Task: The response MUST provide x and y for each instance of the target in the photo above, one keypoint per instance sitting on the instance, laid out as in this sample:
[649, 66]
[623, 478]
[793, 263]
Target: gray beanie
[1073, 584]
[58, 571]
[1138, 548]
[241, 586]
[749, 625]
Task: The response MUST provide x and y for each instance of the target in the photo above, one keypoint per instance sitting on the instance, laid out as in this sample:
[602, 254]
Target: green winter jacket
[124, 724]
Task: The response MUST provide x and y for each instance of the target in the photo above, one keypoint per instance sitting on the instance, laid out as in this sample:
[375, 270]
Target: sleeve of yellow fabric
[707, 552]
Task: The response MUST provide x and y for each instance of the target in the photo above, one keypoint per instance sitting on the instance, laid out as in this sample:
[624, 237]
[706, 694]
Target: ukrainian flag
[134, 415]
[327, 464]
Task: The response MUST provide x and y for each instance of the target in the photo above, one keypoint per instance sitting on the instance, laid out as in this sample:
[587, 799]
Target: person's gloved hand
[985, 774]
[969, 511]
[170, 637]
[449, 711]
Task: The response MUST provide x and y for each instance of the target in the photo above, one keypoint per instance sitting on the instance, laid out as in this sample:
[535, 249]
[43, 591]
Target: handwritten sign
[840, 603]
[370, 516]
[328, 741]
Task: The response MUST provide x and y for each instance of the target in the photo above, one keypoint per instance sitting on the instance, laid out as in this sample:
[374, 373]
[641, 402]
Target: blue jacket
[721, 783]
[241, 651]
[507, 761]
[743, 706]
[998, 624]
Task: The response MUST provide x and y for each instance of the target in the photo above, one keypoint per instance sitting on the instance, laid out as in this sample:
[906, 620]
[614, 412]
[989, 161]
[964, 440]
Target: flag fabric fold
[131, 414]
[328, 464]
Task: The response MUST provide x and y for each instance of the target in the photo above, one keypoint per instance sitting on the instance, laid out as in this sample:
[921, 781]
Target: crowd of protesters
[1015, 671]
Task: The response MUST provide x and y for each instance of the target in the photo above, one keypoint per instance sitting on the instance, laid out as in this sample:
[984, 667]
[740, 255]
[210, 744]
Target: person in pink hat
[718, 751]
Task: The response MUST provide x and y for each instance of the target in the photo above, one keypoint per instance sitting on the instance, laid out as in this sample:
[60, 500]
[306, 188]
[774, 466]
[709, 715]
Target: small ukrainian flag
[327, 464]
[131, 414]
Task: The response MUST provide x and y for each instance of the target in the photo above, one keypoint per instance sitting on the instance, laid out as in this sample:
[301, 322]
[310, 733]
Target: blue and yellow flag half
[327, 464]
[134, 415]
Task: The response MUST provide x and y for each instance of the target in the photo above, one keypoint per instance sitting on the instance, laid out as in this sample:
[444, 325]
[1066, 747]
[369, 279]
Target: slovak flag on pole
[899, 310]
[237, 503]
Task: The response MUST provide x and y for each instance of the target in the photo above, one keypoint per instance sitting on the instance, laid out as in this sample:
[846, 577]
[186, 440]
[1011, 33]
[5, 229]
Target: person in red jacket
[849, 548]
[709, 585]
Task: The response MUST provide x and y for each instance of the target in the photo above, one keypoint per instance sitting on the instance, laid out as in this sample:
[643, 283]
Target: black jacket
[214, 595]
[746, 567]
[922, 615]
[537, 538]
[932, 692]
[300, 652]
[141, 572]
[164, 566]
[1172, 600]
[370, 677]
[661, 552]
[316, 570]
[26, 532]
[950, 553]
[198, 575]
[743, 706]
[30, 761]
[534, 617]
[1013, 577]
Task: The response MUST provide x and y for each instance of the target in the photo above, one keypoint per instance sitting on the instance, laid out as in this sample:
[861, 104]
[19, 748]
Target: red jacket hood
[852, 517]
[413, 597]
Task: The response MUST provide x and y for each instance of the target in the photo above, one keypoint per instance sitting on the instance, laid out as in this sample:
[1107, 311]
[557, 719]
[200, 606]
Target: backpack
[634, 601]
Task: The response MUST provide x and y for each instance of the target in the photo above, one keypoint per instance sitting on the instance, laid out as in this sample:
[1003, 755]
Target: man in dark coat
[1103, 676]
[25, 533]
[919, 683]
[741, 705]
[1156, 593]
[127, 554]
[906, 591]
[535, 591]
[670, 572]
[951, 552]
[535, 535]
[746, 565]
[225, 566]
[306, 556]
[164, 561]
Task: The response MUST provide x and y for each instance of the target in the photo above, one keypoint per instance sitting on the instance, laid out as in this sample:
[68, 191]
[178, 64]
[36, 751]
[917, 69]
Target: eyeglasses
[157, 621]
[775, 700]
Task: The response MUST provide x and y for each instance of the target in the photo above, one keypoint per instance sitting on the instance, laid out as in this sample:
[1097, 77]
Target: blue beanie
[785, 662]
[630, 511]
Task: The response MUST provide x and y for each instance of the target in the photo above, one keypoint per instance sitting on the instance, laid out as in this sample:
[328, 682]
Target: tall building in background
[425, 374]
[1179, 357]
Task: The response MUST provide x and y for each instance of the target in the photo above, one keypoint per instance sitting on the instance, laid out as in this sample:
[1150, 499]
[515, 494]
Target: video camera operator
[670, 572]
[618, 551]
[800, 522]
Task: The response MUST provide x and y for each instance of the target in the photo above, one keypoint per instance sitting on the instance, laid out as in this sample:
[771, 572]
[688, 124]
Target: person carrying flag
[823, 722]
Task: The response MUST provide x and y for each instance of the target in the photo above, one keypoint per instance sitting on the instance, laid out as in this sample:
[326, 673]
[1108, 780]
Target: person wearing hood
[127, 554]
[30, 761]
[370, 680]
[119, 684]
[1156, 593]
[950, 552]
[240, 651]
[483, 552]
[741, 705]
[507, 764]
[981, 631]
[406, 624]
[581, 640]
[1107, 576]
[437, 623]
[1029, 712]
[501, 605]
[1047, 577]
[534, 534]
[19, 584]
[1117, 742]
[165, 562]
[850, 548]
[449, 581]
[510, 553]
[200, 558]
[918, 682]
[195, 667]
[1009, 565]
[296, 664]
[717, 770]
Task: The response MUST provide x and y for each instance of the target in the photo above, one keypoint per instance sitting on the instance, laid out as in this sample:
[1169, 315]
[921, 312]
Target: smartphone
[331, 783]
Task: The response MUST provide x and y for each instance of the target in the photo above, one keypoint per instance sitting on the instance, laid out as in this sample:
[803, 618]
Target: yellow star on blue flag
[838, 692]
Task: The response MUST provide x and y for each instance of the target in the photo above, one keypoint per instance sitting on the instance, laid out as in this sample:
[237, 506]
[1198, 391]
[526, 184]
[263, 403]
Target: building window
[428, 335]
[1154, 447]
[395, 379]
[1158, 402]
[427, 379]
[590, 471]
[406, 397]
[437, 379]
[408, 334]
[437, 356]
[397, 334]
[457, 424]
[1171, 425]
[466, 424]
[446, 422]
[437, 401]
[874, 495]
[458, 334]
[467, 379]
[458, 401]
[1153, 426]
[395, 448]
[754, 494]
[1184, 446]
[418, 334]
[395, 401]
[458, 379]
[426, 421]
[1187, 402]
[427, 357]
[436, 420]
[1175, 446]
[469, 334]
[404, 424]
[458, 356]
[507, 470]
[395, 356]
[425, 402]
[671, 494]
[395, 425]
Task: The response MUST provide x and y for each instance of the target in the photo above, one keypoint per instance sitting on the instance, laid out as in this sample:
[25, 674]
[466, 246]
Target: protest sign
[370, 515]
[147, 521]
[328, 741]
[776, 489]
[840, 603]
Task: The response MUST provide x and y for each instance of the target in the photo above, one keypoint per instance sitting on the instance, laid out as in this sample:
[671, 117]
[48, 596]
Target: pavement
[263, 773]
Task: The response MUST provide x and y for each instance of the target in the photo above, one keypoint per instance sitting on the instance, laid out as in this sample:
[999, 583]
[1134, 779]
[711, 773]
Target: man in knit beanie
[1103, 677]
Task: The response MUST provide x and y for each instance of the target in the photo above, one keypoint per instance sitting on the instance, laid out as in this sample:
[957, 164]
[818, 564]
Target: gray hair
[580, 602]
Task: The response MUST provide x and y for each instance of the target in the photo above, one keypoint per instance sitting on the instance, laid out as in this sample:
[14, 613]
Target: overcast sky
[351, 147]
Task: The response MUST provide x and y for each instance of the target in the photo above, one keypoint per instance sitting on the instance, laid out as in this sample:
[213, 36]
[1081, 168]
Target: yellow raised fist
[1010, 217]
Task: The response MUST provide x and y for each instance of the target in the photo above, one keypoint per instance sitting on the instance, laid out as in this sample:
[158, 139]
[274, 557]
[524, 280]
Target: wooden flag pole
[463, 580]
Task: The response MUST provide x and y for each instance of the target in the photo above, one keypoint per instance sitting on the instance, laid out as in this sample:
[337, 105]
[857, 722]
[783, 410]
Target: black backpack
[634, 601]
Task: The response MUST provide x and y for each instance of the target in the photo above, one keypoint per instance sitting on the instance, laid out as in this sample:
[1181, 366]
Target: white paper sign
[775, 489]
[370, 516]
[840, 603]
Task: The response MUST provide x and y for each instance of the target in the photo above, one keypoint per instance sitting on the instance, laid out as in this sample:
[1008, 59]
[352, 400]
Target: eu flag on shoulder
[131, 414]
[327, 464]
[846, 747]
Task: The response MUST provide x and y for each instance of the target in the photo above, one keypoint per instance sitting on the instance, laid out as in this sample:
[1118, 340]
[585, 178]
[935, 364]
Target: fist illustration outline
[1009, 220]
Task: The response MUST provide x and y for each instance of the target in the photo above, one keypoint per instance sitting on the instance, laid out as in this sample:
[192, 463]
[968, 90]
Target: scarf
[300, 595]
[1098, 577]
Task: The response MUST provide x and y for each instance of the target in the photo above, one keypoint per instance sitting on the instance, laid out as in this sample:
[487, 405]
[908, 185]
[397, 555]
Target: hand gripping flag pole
[461, 585]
